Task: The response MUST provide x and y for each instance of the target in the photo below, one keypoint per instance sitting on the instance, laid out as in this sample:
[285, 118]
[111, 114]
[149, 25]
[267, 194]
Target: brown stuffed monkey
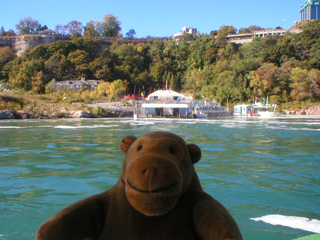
[158, 196]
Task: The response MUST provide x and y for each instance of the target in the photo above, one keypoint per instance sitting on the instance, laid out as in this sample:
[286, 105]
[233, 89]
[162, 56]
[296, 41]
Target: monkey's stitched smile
[153, 191]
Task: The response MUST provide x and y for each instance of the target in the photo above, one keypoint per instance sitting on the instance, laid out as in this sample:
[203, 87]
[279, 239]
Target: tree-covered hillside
[284, 68]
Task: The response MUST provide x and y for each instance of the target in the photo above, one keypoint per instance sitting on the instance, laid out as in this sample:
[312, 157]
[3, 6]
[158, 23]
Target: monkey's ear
[195, 152]
[126, 143]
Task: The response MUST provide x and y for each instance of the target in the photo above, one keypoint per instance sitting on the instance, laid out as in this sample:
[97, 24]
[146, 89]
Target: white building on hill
[191, 31]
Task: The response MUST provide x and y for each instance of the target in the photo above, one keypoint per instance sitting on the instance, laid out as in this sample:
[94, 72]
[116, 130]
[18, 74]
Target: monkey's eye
[172, 150]
[139, 148]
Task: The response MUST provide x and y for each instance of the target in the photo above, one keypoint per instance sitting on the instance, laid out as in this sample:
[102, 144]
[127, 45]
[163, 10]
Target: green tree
[24, 75]
[175, 82]
[314, 55]
[131, 33]
[213, 34]
[250, 29]
[209, 91]
[144, 79]
[278, 50]
[157, 49]
[28, 26]
[157, 72]
[103, 67]
[50, 86]
[132, 62]
[194, 81]
[92, 29]
[314, 78]
[110, 26]
[6, 55]
[228, 52]
[74, 29]
[253, 49]
[223, 32]
[60, 29]
[38, 82]
[53, 67]
[198, 50]
[80, 62]
[227, 88]
[78, 57]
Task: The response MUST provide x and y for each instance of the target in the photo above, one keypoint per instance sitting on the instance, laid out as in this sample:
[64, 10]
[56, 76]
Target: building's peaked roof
[165, 94]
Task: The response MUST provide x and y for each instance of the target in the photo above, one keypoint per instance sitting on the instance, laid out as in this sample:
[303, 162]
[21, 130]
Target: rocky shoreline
[312, 110]
[115, 111]
[75, 110]
[7, 114]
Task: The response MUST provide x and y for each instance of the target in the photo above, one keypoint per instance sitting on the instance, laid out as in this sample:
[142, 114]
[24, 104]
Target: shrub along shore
[27, 106]
[48, 106]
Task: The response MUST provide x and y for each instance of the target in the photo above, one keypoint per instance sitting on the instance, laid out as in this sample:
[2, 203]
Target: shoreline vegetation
[285, 69]
[27, 106]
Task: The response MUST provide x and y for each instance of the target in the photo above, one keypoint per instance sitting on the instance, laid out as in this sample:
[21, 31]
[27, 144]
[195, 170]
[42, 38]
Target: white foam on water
[186, 122]
[68, 127]
[302, 223]
[79, 127]
[307, 129]
[141, 123]
[8, 127]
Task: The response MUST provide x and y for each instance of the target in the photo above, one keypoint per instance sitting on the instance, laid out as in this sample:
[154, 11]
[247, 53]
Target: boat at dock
[243, 110]
[256, 110]
[198, 113]
[266, 111]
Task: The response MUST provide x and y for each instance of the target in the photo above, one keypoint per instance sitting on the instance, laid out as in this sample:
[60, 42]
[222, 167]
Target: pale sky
[156, 18]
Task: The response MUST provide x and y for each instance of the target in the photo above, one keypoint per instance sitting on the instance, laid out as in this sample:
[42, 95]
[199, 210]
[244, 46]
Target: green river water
[254, 167]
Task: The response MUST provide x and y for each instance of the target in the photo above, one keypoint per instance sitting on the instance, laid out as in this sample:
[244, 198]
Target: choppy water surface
[254, 167]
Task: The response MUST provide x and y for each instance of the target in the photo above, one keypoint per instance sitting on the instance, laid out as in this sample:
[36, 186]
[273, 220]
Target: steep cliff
[24, 42]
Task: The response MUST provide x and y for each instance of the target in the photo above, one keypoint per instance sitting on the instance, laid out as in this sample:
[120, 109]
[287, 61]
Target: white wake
[306, 224]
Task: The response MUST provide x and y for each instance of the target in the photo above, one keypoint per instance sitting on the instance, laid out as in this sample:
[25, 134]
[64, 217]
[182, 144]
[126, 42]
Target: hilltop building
[185, 30]
[248, 37]
[310, 10]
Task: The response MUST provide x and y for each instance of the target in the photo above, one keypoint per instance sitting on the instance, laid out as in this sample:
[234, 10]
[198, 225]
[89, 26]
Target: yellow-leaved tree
[116, 89]
[112, 90]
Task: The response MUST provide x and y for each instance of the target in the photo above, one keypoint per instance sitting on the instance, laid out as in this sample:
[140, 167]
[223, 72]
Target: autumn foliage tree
[301, 84]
